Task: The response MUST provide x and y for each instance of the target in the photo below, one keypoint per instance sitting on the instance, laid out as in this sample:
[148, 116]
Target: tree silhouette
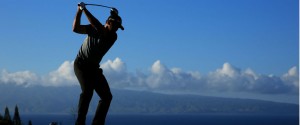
[29, 123]
[7, 117]
[17, 119]
[1, 117]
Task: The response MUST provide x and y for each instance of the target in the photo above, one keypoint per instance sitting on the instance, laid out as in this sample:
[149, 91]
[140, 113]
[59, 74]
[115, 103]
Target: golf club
[97, 5]
[112, 9]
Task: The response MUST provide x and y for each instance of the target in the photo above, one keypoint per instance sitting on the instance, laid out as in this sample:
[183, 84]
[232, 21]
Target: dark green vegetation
[7, 120]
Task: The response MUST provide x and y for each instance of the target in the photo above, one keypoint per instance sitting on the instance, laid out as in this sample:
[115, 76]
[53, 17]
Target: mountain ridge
[38, 99]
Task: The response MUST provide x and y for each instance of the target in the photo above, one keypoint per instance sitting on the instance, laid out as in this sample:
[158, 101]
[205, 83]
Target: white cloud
[292, 77]
[116, 72]
[227, 70]
[251, 73]
[115, 66]
[63, 76]
[227, 78]
[19, 78]
[160, 76]
[158, 68]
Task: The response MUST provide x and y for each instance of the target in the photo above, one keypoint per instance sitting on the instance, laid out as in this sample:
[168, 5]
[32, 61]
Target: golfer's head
[115, 22]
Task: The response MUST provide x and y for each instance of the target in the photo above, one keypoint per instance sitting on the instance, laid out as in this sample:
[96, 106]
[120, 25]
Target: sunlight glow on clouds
[227, 78]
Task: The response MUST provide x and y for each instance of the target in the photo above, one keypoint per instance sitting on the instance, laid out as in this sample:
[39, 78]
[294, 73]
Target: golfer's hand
[114, 11]
[81, 5]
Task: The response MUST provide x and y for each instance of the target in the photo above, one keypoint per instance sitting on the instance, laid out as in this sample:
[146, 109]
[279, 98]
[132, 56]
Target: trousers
[92, 79]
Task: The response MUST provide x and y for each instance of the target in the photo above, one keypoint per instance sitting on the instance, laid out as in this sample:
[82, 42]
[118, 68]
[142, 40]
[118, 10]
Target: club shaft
[99, 5]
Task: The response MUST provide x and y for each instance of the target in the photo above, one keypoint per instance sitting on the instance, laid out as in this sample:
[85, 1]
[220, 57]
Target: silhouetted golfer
[86, 66]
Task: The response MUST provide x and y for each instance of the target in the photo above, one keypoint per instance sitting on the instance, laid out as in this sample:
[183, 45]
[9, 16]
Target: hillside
[64, 100]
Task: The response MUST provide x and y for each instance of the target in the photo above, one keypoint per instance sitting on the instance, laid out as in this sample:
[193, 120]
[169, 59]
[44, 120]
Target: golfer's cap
[118, 19]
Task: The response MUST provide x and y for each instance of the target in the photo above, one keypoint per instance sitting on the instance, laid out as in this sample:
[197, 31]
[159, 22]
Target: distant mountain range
[40, 99]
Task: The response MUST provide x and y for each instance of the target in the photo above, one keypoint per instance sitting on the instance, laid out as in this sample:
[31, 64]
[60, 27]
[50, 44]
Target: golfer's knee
[108, 98]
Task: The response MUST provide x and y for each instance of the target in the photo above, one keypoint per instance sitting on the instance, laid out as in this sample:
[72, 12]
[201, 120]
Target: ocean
[179, 119]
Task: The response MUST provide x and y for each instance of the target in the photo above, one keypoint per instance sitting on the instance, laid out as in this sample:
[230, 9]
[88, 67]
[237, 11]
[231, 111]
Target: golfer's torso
[94, 48]
[90, 51]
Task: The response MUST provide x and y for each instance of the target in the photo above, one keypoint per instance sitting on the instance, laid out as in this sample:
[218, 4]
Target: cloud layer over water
[227, 78]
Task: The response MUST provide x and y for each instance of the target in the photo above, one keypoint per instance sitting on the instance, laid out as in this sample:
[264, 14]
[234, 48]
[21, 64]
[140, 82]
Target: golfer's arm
[94, 22]
[77, 27]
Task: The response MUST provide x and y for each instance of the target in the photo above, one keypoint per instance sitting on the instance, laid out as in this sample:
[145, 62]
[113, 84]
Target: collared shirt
[95, 46]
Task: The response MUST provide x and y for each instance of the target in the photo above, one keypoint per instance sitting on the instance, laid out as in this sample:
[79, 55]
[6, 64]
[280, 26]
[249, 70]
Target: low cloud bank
[227, 78]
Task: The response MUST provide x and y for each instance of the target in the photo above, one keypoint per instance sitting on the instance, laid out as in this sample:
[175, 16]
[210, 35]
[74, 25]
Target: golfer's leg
[103, 90]
[85, 96]
[83, 106]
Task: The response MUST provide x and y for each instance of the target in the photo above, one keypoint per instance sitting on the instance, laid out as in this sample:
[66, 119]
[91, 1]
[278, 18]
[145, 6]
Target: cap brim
[121, 27]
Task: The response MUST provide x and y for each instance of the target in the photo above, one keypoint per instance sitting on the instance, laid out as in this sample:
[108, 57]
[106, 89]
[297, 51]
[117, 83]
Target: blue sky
[195, 35]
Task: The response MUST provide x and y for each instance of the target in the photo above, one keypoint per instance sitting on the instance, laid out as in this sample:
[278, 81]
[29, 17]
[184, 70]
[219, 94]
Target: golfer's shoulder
[110, 35]
[114, 36]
